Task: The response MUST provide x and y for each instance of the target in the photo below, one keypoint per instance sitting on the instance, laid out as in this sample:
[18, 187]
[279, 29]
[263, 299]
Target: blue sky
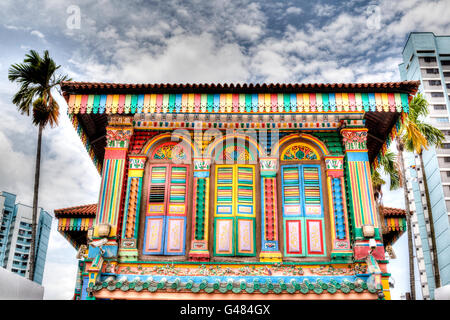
[185, 42]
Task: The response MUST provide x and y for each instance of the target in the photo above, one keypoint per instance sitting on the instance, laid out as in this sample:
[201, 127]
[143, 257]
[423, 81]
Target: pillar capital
[118, 137]
[334, 166]
[354, 138]
[268, 166]
[136, 165]
[201, 167]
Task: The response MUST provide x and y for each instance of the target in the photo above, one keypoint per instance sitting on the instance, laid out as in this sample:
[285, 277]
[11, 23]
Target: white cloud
[38, 34]
[248, 32]
[294, 10]
[185, 59]
[324, 10]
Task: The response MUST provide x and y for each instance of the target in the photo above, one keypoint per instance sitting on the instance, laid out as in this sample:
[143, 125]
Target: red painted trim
[321, 237]
[115, 153]
[288, 249]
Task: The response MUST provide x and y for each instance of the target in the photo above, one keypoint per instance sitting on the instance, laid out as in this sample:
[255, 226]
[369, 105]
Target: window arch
[303, 200]
[166, 201]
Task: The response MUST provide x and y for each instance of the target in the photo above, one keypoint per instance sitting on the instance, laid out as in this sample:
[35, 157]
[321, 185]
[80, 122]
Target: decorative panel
[294, 236]
[246, 237]
[175, 236]
[299, 151]
[224, 236]
[169, 151]
[154, 235]
[314, 231]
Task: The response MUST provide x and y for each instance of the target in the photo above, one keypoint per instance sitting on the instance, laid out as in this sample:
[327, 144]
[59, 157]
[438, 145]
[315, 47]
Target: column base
[128, 255]
[270, 256]
[361, 250]
[199, 255]
[342, 255]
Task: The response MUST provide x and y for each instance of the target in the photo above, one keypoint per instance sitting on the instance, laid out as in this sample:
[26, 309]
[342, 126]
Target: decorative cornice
[314, 102]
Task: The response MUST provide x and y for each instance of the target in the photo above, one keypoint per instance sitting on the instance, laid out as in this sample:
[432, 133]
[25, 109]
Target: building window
[439, 107]
[437, 94]
[446, 74]
[441, 119]
[445, 146]
[445, 62]
[429, 59]
[434, 82]
[235, 210]
[303, 214]
[303, 219]
[432, 71]
[448, 173]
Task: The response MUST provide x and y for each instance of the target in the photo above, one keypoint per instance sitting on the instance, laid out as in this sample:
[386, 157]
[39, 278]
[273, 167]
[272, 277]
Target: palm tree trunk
[35, 205]
[412, 280]
[437, 276]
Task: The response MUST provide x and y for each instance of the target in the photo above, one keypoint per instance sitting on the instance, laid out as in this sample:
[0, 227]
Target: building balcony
[23, 242]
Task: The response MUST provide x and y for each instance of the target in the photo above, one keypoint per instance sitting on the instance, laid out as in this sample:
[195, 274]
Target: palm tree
[37, 77]
[417, 136]
[390, 168]
[414, 136]
[412, 278]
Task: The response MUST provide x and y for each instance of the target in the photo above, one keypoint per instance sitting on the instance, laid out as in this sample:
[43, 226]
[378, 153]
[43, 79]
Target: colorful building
[249, 191]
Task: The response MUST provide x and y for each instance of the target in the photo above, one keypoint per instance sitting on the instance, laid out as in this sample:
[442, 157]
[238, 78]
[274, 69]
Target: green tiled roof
[235, 286]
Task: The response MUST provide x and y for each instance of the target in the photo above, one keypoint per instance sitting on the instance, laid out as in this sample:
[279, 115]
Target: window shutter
[245, 210]
[313, 211]
[293, 220]
[175, 233]
[155, 215]
[224, 237]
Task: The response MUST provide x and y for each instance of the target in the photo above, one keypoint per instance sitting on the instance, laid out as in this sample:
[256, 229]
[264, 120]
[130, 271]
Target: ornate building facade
[253, 191]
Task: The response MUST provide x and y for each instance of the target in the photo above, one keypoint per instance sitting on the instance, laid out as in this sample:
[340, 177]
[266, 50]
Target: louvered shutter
[293, 220]
[313, 211]
[175, 233]
[303, 212]
[156, 208]
[165, 223]
[245, 215]
[224, 221]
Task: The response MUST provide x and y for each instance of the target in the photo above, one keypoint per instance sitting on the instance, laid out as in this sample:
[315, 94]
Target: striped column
[113, 172]
[338, 207]
[200, 214]
[270, 250]
[360, 192]
[128, 246]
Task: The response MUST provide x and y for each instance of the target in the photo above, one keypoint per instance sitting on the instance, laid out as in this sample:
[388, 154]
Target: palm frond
[37, 77]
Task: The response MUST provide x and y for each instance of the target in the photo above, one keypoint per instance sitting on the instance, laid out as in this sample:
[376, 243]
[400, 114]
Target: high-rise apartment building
[426, 57]
[15, 237]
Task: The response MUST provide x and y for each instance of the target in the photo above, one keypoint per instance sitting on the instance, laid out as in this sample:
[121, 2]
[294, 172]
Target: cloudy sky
[186, 41]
